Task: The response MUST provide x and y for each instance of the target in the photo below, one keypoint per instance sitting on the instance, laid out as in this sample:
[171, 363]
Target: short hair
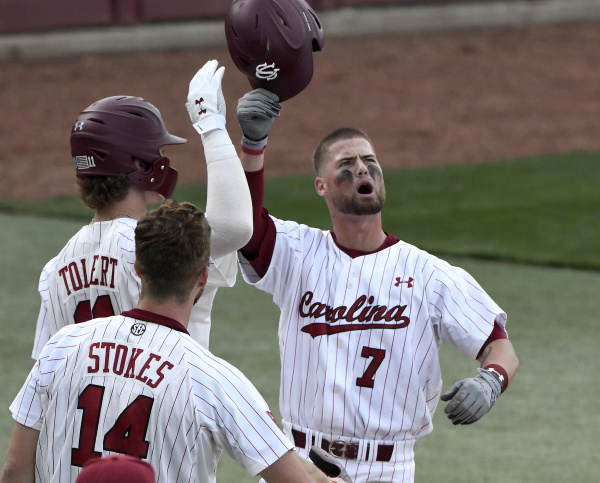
[172, 247]
[97, 192]
[346, 132]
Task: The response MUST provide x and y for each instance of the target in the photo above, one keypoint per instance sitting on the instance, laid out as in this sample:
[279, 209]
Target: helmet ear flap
[161, 177]
[111, 133]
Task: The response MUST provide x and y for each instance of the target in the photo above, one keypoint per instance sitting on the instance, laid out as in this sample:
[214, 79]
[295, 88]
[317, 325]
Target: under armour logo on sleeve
[409, 282]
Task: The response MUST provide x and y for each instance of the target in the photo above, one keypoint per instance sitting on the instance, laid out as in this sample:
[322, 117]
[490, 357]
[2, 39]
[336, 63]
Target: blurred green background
[527, 230]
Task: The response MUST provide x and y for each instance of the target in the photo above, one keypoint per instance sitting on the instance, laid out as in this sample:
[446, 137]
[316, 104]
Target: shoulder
[299, 232]
[67, 340]
[210, 372]
[84, 329]
[121, 230]
[114, 238]
[417, 255]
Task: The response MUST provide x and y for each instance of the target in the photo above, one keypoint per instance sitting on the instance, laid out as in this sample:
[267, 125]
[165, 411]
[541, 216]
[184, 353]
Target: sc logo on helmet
[266, 71]
[262, 34]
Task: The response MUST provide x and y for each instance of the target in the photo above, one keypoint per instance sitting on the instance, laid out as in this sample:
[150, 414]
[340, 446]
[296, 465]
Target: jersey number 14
[128, 434]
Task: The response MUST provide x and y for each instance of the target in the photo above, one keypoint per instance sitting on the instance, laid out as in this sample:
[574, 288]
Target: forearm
[228, 203]
[259, 250]
[253, 166]
[20, 459]
[252, 163]
[291, 468]
[500, 352]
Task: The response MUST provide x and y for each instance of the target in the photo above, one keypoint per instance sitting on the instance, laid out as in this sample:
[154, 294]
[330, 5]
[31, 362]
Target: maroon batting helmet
[272, 42]
[109, 134]
[119, 467]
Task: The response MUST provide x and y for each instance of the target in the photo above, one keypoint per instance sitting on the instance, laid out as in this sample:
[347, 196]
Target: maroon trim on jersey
[497, 333]
[146, 316]
[388, 242]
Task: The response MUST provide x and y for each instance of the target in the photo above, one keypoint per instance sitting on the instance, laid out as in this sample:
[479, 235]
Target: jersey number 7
[128, 434]
[368, 378]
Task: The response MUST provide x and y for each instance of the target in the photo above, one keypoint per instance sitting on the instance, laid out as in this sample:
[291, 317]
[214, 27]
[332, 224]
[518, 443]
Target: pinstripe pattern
[98, 260]
[201, 406]
[334, 344]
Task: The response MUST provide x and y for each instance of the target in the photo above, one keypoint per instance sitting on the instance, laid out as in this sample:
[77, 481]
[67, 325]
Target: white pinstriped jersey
[140, 385]
[359, 337]
[94, 275]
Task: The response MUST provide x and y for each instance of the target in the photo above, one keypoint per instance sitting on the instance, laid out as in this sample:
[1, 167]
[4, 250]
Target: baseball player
[138, 384]
[117, 147]
[363, 313]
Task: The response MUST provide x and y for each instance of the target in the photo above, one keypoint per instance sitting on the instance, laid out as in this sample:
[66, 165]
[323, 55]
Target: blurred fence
[18, 16]
[48, 28]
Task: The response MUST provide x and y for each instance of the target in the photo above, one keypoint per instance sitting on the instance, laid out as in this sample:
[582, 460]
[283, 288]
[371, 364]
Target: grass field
[527, 231]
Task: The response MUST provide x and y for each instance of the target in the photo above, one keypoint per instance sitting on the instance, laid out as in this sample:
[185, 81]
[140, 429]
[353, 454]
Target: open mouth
[365, 188]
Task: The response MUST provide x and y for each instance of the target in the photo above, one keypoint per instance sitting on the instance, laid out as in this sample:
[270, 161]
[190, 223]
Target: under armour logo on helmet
[266, 71]
[200, 101]
[78, 126]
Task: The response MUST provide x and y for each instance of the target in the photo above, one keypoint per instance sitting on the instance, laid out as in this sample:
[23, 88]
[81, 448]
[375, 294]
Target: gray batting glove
[205, 102]
[256, 112]
[328, 464]
[471, 398]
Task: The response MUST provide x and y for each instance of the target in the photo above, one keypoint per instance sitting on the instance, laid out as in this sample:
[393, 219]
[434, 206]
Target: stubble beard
[356, 205]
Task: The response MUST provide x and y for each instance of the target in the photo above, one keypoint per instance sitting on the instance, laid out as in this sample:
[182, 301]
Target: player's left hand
[329, 464]
[256, 111]
[205, 102]
[470, 399]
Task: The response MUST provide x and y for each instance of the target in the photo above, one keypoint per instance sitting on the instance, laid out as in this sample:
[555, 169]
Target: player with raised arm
[117, 146]
[363, 313]
[139, 384]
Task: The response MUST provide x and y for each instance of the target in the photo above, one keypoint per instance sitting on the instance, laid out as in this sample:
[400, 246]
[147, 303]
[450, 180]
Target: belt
[343, 449]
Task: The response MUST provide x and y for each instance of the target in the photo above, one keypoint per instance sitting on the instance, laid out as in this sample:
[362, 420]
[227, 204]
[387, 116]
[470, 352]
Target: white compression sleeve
[228, 202]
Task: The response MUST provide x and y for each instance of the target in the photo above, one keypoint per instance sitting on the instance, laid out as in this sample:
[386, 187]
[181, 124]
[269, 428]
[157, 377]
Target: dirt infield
[427, 99]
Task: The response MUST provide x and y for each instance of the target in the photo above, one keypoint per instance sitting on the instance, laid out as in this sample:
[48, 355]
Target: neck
[364, 233]
[170, 308]
[132, 206]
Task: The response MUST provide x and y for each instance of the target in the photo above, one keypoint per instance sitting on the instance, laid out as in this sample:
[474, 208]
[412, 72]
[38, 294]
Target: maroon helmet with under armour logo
[272, 43]
[112, 132]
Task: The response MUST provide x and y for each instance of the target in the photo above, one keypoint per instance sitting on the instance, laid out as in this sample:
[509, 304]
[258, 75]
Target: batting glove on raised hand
[256, 112]
[328, 464]
[205, 102]
[472, 398]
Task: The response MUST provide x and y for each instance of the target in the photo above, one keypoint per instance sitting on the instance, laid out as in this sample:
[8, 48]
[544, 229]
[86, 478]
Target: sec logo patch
[138, 328]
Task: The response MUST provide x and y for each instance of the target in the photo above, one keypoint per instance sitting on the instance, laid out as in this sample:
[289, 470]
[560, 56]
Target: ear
[203, 278]
[137, 269]
[321, 187]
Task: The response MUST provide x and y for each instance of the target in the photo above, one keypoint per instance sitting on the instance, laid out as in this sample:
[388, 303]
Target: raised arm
[228, 203]
[256, 113]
